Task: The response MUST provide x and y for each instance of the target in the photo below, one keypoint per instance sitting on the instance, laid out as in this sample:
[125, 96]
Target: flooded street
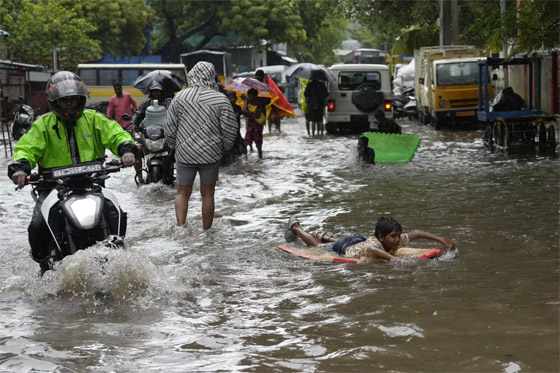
[181, 299]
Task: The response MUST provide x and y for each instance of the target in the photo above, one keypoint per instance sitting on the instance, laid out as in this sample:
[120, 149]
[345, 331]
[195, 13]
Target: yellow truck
[446, 84]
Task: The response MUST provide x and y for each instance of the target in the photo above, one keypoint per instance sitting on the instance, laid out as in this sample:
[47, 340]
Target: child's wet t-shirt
[360, 250]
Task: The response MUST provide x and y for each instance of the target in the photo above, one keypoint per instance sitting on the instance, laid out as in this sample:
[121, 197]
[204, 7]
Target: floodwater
[181, 299]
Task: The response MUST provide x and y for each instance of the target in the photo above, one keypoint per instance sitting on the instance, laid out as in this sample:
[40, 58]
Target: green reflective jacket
[94, 133]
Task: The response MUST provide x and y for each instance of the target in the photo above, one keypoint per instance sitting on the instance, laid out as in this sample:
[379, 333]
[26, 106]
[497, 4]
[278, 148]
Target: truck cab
[446, 86]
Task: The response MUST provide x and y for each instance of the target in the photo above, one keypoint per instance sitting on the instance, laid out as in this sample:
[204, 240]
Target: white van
[357, 91]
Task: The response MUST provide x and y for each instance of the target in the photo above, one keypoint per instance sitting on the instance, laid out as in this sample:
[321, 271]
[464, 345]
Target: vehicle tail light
[331, 105]
[387, 105]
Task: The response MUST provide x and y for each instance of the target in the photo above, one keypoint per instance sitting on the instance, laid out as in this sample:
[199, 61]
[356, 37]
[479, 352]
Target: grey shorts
[186, 173]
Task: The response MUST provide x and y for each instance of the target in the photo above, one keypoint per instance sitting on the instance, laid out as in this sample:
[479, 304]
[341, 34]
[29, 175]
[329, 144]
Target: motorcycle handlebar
[37, 178]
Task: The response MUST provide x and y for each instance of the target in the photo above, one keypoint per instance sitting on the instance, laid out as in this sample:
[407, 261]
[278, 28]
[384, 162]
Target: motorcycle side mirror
[126, 117]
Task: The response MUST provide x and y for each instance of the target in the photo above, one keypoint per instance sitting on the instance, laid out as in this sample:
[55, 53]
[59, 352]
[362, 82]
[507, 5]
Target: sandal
[288, 234]
[321, 236]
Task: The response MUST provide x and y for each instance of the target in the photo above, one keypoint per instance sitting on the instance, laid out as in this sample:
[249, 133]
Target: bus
[99, 79]
[367, 56]
[220, 60]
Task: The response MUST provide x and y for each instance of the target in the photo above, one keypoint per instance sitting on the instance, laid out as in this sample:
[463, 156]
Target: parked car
[356, 92]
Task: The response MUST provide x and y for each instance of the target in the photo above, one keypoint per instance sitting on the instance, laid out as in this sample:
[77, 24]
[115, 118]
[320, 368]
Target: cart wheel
[507, 133]
[498, 135]
[551, 137]
[542, 137]
[488, 137]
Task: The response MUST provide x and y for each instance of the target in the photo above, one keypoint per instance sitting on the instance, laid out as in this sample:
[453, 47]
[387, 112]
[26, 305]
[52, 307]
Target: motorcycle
[23, 119]
[77, 208]
[410, 109]
[158, 157]
[399, 103]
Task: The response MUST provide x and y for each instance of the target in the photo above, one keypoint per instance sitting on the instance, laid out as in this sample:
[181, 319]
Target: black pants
[38, 233]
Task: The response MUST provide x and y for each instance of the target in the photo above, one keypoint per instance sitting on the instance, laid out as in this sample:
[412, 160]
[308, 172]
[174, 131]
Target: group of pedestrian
[201, 126]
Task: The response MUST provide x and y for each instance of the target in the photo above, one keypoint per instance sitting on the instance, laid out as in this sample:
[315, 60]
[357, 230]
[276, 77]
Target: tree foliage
[386, 19]
[119, 24]
[325, 28]
[38, 28]
[527, 25]
[251, 20]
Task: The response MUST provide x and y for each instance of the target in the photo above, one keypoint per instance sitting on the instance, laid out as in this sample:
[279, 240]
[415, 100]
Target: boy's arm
[380, 253]
[420, 235]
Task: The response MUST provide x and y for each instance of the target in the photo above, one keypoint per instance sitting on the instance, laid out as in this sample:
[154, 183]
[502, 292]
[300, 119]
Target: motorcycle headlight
[83, 211]
[443, 103]
[155, 145]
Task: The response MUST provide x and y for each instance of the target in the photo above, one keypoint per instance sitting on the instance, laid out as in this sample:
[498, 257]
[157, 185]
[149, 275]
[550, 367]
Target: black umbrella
[309, 71]
[170, 82]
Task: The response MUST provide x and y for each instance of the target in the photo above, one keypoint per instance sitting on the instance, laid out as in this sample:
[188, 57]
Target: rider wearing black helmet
[68, 135]
[156, 93]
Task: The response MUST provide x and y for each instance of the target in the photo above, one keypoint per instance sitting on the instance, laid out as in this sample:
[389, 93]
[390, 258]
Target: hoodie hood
[203, 74]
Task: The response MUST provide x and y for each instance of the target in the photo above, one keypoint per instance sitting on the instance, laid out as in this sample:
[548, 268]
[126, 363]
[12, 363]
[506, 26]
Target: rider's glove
[19, 178]
[128, 159]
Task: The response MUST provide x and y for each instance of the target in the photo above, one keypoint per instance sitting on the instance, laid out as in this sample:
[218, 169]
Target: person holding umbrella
[315, 94]
[315, 91]
[255, 112]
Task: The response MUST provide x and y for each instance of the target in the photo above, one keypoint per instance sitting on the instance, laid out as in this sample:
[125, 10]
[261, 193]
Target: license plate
[76, 170]
[465, 113]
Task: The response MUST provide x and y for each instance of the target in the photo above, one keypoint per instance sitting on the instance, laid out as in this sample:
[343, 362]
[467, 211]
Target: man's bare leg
[207, 193]
[182, 203]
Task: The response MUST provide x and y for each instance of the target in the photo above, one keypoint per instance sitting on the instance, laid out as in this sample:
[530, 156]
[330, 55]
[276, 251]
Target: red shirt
[118, 106]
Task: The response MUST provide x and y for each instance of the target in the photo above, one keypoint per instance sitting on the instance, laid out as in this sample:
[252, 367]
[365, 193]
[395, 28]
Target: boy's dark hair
[253, 91]
[386, 225]
[117, 84]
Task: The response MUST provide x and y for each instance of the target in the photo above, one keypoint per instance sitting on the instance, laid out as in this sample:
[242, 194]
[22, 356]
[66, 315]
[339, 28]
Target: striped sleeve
[170, 125]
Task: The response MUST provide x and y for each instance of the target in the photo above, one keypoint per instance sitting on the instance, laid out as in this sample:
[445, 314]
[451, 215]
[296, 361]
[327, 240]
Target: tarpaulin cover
[392, 147]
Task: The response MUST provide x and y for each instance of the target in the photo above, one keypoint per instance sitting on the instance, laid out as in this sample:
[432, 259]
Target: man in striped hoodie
[200, 125]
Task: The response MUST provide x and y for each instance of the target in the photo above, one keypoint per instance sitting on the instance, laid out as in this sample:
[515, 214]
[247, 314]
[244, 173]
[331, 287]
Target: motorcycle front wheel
[155, 174]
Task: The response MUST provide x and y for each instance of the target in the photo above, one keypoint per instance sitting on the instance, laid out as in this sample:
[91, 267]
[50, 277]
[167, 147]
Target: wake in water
[100, 272]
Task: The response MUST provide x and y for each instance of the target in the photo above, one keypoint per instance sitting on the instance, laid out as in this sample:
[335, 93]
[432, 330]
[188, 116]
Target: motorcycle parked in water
[23, 119]
[410, 109]
[399, 103]
[158, 157]
[77, 209]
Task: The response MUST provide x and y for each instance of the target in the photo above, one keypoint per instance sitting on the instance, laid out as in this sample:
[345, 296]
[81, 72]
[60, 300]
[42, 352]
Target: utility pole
[505, 46]
[448, 22]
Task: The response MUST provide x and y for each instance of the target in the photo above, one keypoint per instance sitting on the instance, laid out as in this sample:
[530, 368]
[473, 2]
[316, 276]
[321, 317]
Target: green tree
[325, 29]
[386, 19]
[525, 27]
[251, 20]
[177, 21]
[119, 24]
[38, 28]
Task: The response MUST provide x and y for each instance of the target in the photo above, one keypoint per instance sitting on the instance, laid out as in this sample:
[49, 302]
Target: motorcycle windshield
[154, 132]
